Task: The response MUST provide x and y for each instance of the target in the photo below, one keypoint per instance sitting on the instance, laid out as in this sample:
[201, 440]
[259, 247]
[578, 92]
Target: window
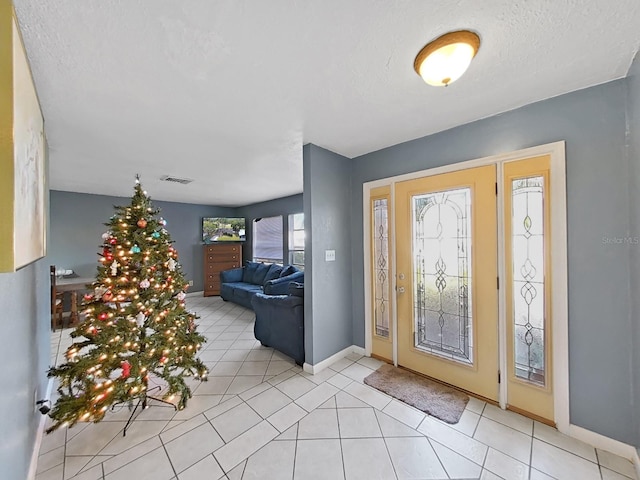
[296, 240]
[267, 240]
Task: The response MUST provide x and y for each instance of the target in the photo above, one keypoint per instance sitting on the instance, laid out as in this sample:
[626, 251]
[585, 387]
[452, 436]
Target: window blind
[267, 239]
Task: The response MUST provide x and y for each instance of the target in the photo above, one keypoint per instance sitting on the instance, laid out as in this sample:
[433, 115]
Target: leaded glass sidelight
[442, 274]
[527, 238]
[381, 266]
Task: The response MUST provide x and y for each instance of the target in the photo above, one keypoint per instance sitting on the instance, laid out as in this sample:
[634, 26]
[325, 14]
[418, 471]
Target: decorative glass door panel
[528, 291]
[446, 227]
[442, 274]
[527, 237]
[382, 345]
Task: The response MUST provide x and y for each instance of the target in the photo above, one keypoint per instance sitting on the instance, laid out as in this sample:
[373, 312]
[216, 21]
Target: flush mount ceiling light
[444, 60]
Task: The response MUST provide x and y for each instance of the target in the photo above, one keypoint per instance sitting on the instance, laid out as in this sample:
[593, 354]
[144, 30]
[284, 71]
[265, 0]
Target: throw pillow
[274, 272]
[288, 270]
[249, 271]
[260, 273]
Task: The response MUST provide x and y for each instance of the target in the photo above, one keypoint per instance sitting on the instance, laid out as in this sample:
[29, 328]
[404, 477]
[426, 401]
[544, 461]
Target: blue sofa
[280, 321]
[239, 285]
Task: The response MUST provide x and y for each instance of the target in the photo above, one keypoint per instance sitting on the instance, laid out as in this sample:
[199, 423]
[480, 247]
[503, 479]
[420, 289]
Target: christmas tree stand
[143, 405]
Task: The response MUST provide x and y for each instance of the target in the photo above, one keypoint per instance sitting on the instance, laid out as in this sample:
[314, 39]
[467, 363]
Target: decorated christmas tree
[135, 325]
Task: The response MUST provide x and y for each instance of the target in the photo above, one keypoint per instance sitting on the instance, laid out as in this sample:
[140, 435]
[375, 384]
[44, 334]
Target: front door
[446, 278]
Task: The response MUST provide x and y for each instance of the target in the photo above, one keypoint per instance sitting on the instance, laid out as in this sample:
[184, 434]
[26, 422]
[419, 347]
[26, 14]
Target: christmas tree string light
[135, 325]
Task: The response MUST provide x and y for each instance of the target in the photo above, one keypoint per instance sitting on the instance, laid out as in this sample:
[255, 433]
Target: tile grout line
[384, 441]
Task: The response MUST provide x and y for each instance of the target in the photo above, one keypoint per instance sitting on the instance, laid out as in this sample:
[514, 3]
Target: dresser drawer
[222, 248]
[220, 267]
[217, 257]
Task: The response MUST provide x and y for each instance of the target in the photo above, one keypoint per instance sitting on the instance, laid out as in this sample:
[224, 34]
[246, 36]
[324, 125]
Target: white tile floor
[260, 417]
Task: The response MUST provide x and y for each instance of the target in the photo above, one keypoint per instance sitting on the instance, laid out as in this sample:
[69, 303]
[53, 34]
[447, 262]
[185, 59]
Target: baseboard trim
[318, 367]
[33, 466]
[195, 294]
[358, 350]
[605, 443]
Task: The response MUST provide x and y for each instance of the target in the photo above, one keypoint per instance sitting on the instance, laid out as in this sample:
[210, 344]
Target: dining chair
[56, 300]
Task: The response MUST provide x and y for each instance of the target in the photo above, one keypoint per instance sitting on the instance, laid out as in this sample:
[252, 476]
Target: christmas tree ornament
[181, 296]
[162, 222]
[142, 223]
[135, 325]
[107, 296]
[126, 369]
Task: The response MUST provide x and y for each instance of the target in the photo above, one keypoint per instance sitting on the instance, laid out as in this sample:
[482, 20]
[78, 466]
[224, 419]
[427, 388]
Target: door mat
[431, 397]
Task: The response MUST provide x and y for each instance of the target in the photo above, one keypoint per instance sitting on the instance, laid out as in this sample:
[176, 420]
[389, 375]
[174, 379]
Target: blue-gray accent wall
[327, 194]
[593, 124]
[77, 225]
[633, 119]
[25, 347]
[284, 206]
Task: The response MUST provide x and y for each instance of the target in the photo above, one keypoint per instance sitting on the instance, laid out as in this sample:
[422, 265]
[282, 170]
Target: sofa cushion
[296, 289]
[246, 292]
[249, 271]
[260, 273]
[274, 272]
[288, 270]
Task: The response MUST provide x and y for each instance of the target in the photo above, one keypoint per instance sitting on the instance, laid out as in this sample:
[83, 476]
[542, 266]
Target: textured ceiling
[227, 92]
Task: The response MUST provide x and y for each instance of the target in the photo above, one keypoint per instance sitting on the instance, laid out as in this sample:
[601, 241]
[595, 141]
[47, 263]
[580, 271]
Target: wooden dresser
[217, 258]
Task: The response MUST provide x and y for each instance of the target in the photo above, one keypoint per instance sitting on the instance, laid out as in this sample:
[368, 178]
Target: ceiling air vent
[169, 178]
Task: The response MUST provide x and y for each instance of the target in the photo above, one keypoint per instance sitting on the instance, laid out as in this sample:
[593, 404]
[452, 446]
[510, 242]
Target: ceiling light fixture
[444, 60]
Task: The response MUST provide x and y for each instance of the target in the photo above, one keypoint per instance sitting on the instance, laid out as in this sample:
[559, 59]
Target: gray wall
[77, 225]
[592, 122]
[280, 206]
[25, 347]
[633, 119]
[327, 193]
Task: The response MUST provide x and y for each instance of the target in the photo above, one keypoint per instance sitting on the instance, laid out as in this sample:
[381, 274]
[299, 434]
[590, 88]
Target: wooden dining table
[73, 285]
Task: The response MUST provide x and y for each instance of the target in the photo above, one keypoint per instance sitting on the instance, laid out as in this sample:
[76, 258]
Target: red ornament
[103, 316]
[126, 369]
[113, 241]
[163, 359]
[106, 251]
[107, 296]
[142, 223]
[88, 296]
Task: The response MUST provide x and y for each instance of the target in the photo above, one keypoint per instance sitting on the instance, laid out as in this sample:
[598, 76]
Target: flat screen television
[223, 229]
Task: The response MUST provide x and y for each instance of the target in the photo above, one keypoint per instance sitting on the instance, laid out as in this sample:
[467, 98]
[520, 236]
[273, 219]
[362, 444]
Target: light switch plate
[329, 255]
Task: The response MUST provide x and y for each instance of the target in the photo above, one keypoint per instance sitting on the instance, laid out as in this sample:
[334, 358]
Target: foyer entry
[460, 280]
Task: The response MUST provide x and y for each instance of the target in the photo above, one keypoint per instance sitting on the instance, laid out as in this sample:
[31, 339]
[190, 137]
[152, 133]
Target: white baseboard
[318, 367]
[33, 466]
[358, 350]
[605, 443]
